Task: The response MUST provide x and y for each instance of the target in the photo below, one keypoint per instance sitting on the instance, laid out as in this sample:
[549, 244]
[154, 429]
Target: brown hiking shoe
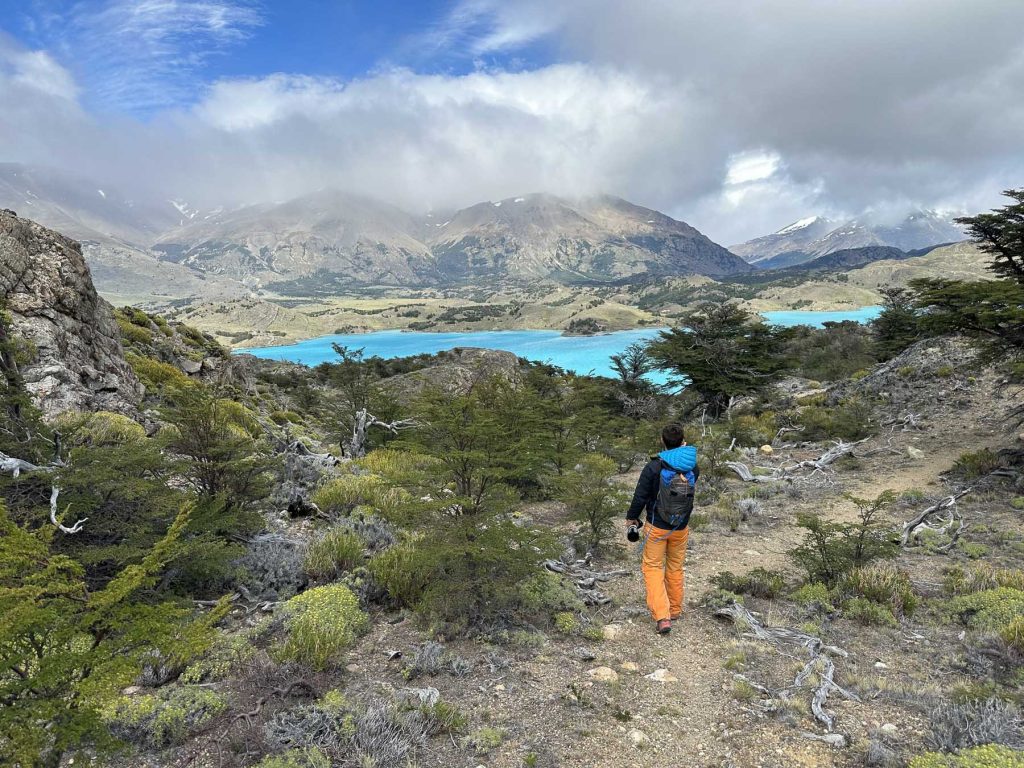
[664, 626]
[676, 617]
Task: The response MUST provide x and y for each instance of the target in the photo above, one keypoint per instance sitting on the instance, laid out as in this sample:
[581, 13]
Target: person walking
[665, 492]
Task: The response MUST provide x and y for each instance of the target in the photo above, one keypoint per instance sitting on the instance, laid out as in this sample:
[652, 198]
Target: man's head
[672, 435]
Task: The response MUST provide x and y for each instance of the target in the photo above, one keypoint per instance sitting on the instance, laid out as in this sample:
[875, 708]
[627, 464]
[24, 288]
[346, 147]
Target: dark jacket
[646, 494]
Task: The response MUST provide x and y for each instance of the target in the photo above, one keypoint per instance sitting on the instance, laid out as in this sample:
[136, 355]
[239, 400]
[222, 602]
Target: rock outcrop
[457, 372]
[76, 360]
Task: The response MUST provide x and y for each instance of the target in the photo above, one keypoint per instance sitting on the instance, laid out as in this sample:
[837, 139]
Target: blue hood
[683, 458]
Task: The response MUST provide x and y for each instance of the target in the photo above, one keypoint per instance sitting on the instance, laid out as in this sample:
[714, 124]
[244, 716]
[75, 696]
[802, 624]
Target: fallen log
[584, 579]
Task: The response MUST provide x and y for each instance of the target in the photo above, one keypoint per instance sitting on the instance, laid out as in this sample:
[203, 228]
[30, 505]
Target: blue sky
[192, 43]
[736, 116]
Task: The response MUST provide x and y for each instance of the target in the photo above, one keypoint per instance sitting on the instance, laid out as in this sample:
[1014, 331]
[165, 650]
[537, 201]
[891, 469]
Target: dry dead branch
[54, 493]
[355, 447]
[952, 527]
[585, 579]
[820, 655]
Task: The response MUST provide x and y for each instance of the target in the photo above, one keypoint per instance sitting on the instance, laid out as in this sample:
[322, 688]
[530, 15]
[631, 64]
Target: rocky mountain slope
[329, 241]
[74, 357]
[815, 236]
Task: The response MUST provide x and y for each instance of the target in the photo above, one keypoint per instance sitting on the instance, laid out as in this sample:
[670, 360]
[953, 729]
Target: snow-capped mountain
[814, 236]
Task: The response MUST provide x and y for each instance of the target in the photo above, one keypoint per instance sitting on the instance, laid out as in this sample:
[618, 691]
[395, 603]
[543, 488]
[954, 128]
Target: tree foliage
[1001, 234]
[721, 352]
[66, 651]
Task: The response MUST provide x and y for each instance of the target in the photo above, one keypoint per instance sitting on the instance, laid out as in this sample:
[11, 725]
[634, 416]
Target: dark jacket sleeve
[646, 491]
[696, 473]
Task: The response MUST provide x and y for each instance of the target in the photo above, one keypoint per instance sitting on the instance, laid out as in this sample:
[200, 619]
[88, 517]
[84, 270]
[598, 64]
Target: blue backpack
[675, 497]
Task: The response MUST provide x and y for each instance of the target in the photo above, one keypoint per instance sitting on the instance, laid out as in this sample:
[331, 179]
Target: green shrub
[132, 333]
[285, 417]
[397, 570]
[342, 494]
[815, 593]
[156, 375]
[974, 550]
[160, 720]
[753, 430]
[322, 623]
[593, 499]
[1013, 634]
[987, 756]
[862, 610]
[567, 623]
[884, 584]
[977, 464]
[297, 758]
[831, 549]
[758, 583]
[335, 552]
[989, 610]
[1017, 502]
[227, 654]
[849, 420]
[484, 740]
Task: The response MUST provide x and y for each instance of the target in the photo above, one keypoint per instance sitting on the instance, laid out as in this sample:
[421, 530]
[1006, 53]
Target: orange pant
[662, 566]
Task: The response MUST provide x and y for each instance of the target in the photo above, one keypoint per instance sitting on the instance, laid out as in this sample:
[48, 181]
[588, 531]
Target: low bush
[849, 420]
[977, 464]
[133, 334]
[987, 756]
[753, 430]
[884, 584]
[982, 577]
[758, 583]
[990, 609]
[285, 417]
[484, 740]
[155, 721]
[156, 375]
[864, 611]
[332, 554]
[322, 623]
[297, 758]
[272, 566]
[959, 725]
[814, 595]
[395, 569]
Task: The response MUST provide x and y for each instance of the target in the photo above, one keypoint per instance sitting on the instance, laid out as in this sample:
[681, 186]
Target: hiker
[665, 491]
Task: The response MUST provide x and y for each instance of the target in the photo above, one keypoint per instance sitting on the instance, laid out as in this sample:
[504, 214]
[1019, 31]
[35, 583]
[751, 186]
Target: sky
[736, 116]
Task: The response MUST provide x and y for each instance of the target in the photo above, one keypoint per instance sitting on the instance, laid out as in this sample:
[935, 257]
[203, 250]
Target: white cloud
[144, 55]
[737, 122]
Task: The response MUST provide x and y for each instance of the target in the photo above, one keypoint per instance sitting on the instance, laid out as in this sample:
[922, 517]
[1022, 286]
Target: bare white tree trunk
[54, 493]
[355, 447]
[952, 527]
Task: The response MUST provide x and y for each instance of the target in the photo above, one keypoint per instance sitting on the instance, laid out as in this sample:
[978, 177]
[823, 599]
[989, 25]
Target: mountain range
[329, 242]
[815, 236]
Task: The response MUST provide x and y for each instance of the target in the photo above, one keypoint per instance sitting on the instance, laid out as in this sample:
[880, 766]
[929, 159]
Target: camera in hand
[633, 533]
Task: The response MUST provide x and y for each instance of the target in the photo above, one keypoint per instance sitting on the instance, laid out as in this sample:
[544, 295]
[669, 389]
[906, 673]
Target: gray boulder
[76, 361]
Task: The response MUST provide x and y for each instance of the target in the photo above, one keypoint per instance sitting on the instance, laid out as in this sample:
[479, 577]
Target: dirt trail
[711, 729]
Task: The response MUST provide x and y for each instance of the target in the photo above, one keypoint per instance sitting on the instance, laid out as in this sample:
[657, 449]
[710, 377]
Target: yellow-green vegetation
[567, 623]
[814, 593]
[332, 554]
[982, 577]
[864, 611]
[849, 420]
[322, 623]
[883, 584]
[986, 756]
[344, 493]
[285, 417]
[758, 583]
[159, 720]
[744, 691]
[753, 429]
[156, 375]
[297, 758]
[395, 570]
[484, 740]
[998, 610]
[132, 333]
[976, 464]
[226, 655]
[100, 428]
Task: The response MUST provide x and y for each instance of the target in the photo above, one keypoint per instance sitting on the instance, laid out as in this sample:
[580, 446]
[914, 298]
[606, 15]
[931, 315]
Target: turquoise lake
[581, 354]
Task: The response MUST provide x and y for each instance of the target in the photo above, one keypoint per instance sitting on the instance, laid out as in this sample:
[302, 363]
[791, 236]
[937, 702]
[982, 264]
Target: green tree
[66, 651]
[832, 549]
[897, 327]
[593, 499]
[721, 352]
[632, 366]
[1001, 234]
[228, 467]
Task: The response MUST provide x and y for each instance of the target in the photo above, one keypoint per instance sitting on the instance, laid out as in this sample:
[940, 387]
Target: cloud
[141, 56]
[737, 117]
